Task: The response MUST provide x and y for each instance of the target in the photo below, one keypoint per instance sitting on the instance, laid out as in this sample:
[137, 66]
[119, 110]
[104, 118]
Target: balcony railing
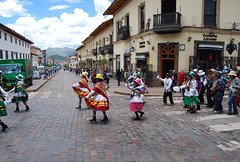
[167, 23]
[124, 32]
[108, 49]
[94, 51]
[100, 50]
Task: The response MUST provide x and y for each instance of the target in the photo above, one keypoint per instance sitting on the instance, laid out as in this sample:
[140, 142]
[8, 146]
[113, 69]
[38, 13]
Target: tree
[102, 62]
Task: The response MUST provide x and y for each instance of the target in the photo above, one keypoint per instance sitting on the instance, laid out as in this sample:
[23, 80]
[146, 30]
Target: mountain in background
[57, 57]
[64, 52]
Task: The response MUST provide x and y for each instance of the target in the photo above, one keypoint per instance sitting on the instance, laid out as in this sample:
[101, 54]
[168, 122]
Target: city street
[54, 130]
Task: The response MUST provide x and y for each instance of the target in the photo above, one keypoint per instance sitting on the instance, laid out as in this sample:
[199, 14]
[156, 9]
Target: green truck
[12, 67]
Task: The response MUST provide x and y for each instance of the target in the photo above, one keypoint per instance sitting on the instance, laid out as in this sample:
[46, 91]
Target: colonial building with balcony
[161, 35]
[13, 45]
[96, 47]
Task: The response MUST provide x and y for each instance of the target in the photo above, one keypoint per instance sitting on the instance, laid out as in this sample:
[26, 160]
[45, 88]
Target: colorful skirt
[79, 92]
[3, 111]
[190, 100]
[97, 105]
[136, 106]
[19, 99]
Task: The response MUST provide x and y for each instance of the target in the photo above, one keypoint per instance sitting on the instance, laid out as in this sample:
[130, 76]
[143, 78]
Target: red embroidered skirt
[136, 106]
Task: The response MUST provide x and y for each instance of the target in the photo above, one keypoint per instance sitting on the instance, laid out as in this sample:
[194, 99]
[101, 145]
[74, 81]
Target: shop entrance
[167, 59]
[209, 59]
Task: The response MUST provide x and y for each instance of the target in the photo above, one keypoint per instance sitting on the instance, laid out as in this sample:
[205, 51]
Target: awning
[142, 56]
[210, 47]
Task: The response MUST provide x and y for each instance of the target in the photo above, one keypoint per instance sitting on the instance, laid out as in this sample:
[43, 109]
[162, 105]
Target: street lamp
[45, 64]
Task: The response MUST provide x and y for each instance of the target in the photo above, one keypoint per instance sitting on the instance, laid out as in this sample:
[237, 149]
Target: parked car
[36, 74]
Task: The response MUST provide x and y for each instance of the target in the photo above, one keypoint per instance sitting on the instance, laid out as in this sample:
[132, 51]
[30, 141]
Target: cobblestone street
[53, 130]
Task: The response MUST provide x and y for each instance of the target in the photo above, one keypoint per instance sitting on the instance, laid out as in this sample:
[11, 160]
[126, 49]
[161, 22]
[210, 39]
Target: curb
[35, 90]
[153, 95]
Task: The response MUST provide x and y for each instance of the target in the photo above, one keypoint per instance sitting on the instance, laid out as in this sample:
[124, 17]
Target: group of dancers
[97, 99]
[20, 95]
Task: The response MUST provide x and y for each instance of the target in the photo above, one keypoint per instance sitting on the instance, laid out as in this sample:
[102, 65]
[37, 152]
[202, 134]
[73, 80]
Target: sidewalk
[38, 83]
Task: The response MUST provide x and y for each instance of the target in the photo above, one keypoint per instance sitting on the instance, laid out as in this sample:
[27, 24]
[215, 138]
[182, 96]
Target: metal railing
[124, 32]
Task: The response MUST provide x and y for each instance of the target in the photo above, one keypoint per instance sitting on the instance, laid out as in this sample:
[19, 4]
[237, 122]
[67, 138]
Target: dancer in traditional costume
[3, 111]
[97, 99]
[81, 88]
[20, 94]
[191, 93]
[136, 98]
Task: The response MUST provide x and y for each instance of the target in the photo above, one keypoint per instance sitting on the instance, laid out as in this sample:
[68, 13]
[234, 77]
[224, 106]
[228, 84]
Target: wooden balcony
[108, 49]
[94, 51]
[100, 50]
[167, 23]
[124, 32]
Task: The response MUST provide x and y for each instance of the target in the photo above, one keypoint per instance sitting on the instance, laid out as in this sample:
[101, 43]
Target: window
[22, 43]
[1, 54]
[0, 35]
[5, 36]
[127, 20]
[210, 13]
[11, 39]
[6, 54]
[20, 55]
[142, 18]
[12, 57]
[15, 40]
[19, 42]
[16, 55]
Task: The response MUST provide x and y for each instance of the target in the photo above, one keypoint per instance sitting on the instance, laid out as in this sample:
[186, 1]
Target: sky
[54, 23]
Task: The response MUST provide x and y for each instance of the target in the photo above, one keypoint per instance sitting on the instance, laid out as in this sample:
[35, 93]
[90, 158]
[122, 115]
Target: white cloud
[68, 1]
[101, 5]
[9, 8]
[58, 7]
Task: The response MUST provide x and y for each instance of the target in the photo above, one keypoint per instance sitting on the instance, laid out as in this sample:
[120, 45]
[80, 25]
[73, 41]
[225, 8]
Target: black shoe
[235, 113]
[105, 119]
[229, 113]
[93, 119]
[210, 106]
[193, 111]
[17, 109]
[27, 108]
[189, 110]
[141, 114]
[144, 102]
[79, 107]
[4, 127]
[137, 118]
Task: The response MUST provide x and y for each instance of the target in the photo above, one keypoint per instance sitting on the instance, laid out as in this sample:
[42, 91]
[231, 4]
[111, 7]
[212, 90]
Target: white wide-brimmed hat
[201, 73]
[195, 70]
[232, 73]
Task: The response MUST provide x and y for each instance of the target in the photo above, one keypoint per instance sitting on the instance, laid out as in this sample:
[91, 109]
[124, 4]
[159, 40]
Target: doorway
[209, 59]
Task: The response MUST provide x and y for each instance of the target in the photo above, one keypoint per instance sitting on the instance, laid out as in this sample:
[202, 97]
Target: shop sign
[210, 36]
[142, 44]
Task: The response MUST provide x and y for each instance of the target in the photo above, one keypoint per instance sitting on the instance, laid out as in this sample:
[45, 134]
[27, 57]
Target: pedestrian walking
[191, 93]
[81, 88]
[20, 94]
[118, 76]
[167, 88]
[97, 99]
[122, 74]
[130, 76]
[3, 111]
[174, 78]
[218, 93]
[233, 92]
[136, 98]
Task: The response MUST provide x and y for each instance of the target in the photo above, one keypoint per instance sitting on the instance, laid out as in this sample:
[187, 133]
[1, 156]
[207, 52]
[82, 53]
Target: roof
[81, 46]
[3, 27]
[101, 27]
[114, 7]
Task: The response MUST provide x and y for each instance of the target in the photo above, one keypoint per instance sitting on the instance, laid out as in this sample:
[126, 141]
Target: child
[136, 98]
[81, 88]
[185, 80]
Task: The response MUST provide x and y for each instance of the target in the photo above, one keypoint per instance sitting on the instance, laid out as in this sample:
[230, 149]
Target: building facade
[13, 45]
[36, 55]
[158, 35]
[96, 52]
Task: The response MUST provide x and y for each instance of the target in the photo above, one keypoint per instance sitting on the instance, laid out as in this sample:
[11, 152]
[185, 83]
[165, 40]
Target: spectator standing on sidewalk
[218, 93]
[81, 88]
[234, 87]
[181, 77]
[118, 76]
[203, 79]
[122, 75]
[97, 99]
[209, 86]
[167, 88]
[130, 76]
[136, 98]
[190, 94]
[238, 97]
[174, 78]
